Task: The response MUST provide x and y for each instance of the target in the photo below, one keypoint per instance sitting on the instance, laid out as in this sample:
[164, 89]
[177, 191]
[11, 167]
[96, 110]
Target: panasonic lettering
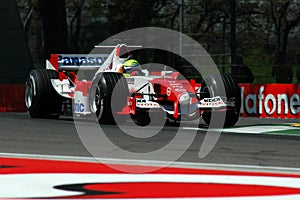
[79, 107]
[81, 60]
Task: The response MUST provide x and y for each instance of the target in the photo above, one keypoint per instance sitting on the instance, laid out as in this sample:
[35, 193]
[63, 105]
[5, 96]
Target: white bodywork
[63, 87]
[135, 83]
[81, 104]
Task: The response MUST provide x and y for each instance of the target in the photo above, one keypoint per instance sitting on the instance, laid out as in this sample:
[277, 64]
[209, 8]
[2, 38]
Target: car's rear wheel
[102, 103]
[41, 99]
[211, 87]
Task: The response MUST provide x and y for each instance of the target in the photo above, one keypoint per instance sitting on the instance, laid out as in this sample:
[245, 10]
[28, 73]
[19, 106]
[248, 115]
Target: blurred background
[255, 40]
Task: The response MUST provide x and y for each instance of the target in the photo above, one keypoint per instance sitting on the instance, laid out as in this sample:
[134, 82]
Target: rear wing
[73, 62]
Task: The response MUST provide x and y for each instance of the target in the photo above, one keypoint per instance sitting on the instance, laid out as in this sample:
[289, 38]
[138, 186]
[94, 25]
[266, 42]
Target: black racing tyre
[212, 86]
[41, 99]
[141, 118]
[232, 92]
[102, 102]
[144, 118]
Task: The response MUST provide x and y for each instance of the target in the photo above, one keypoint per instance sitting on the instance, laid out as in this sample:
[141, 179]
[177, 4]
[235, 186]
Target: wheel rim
[96, 99]
[28, 94]
[207, 92]
[100, 108]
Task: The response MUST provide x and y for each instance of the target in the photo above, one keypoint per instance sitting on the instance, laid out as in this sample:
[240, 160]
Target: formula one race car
[109, 92]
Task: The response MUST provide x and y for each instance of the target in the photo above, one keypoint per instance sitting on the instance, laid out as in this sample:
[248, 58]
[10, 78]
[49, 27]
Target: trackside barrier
[12, 98]
[258, 100]
[270, 100]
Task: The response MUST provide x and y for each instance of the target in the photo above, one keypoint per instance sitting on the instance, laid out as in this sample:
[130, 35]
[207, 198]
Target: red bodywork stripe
[84, 87]
[54, 61]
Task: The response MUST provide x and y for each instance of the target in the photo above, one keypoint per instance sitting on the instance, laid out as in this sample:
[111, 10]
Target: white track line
[192, 165]
[252, 130]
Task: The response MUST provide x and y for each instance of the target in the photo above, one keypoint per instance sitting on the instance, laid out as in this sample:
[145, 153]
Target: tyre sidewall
[107, 83]
[45, 102]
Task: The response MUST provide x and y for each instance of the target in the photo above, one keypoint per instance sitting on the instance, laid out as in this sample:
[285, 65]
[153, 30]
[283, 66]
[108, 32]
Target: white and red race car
[93, 84]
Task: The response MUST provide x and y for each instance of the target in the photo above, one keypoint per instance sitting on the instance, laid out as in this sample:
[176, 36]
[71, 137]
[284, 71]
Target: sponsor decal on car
[169, 91]
[79, 107]
[130, 80]
[211, 102]
[147, 104]
[81, 59]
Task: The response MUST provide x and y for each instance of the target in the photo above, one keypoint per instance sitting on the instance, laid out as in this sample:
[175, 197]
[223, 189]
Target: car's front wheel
[212, 86]
[102, 102]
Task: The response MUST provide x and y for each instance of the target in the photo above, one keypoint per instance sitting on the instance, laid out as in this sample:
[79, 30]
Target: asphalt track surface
[22, 135]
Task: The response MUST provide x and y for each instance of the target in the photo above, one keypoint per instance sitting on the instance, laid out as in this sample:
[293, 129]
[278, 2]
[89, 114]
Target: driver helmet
[131, 64]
